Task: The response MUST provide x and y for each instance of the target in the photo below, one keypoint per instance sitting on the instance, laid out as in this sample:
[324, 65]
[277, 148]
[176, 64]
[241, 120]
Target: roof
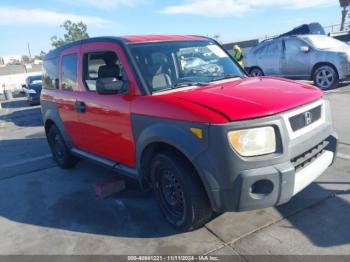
[126, 39]
[156, 38]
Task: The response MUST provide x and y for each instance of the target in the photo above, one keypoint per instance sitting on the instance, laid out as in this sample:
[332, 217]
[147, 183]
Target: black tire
[256, 71]
[59, 149]
[179, 191]
[325, 77]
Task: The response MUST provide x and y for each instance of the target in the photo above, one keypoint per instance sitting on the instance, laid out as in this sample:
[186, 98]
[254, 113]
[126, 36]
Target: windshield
[170, 65]
[35, 80]
[323, 42]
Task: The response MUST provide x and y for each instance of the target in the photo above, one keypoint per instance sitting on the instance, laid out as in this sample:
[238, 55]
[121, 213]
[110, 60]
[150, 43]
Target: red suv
[178, 114]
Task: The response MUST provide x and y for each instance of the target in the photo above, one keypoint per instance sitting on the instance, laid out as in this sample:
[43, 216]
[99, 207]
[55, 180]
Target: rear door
[295, 63]
[269, 58]
[105, 123]
[68, 85]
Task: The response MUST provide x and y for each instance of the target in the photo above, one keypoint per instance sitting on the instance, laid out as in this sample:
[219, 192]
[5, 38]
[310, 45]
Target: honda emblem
[308, 118]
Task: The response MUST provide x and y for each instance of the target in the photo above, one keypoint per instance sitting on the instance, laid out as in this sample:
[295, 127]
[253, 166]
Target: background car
[30, 80]
[32, 89]
[320, 58]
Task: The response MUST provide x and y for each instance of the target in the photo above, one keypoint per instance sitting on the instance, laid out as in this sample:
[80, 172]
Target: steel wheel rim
[57, 146]
[325, 77]
[171, 192]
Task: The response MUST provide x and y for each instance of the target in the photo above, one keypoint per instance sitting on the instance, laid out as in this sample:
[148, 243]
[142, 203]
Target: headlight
[31, 91]
[253, 141]
[346, 57]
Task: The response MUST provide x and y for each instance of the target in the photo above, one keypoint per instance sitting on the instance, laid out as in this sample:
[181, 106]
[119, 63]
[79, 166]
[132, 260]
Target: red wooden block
[109, 187]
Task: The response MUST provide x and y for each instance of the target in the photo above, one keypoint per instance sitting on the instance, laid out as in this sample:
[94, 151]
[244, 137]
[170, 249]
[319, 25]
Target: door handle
[80, 106]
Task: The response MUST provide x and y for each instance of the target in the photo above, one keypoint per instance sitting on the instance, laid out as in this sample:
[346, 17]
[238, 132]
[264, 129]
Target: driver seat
[160, 79]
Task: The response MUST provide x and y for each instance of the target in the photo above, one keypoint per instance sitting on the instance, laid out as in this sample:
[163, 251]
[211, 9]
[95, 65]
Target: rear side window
[69, 71]
[50, 74]
[260, 49]
[274, 48]
[102, 64]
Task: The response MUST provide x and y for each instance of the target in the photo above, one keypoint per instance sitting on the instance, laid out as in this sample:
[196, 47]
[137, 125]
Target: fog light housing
[261, 188]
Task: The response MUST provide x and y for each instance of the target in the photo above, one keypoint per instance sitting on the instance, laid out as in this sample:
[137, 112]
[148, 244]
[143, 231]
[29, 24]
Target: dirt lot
[47, 210]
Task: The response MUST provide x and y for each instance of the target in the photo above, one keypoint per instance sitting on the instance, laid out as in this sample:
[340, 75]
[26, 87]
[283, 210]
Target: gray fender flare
[53, 115]
[180, 138]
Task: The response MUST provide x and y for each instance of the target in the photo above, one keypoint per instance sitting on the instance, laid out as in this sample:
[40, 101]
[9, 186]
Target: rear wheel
[179, 191]
[325, 77]
[255, 71]
[59, 149]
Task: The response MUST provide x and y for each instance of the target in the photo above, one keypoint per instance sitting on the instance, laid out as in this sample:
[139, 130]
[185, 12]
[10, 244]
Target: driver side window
[99, 65]
[292, 46]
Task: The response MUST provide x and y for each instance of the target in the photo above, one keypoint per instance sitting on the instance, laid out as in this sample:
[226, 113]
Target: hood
[344, 49]
[36, 87]
[251, 97]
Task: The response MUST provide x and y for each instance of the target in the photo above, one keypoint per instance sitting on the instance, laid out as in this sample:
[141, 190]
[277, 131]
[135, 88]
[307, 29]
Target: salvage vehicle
[205, 142]
[322, 59]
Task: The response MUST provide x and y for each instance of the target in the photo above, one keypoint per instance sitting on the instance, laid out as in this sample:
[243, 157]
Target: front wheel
[325, 77]
[179, 191]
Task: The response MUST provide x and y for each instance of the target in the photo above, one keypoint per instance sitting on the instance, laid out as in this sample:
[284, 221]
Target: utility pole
[344, 4]
[30, 54]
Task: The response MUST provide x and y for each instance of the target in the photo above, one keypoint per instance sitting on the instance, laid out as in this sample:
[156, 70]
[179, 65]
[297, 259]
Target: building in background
[13, 75]
[12, 59]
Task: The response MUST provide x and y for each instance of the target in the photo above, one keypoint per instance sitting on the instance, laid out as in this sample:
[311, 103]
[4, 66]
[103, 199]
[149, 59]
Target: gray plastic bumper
[236, 183]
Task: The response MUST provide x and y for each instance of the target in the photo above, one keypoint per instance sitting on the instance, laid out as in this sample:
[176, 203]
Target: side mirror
[304, 49]
[109, 85]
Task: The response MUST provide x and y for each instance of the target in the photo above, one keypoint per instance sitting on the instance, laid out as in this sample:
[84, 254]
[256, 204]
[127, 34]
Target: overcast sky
[35, 22]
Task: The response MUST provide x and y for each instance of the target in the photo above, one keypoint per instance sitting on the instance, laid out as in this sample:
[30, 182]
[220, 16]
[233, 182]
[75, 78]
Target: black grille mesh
[298, 122]
[309, 156]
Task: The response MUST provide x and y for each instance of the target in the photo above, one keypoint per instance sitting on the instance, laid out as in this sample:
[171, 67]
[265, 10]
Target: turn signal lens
[253, 141]
[197, 132]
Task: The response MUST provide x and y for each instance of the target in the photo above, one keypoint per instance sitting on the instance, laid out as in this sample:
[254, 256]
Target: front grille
[309, 156]
[306, 118]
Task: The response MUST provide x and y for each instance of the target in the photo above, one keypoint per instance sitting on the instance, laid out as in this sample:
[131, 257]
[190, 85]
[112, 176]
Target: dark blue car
[33, 89]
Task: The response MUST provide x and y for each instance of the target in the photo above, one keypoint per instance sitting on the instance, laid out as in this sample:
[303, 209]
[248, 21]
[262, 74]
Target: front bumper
[33, 99]
[236, 183]
[277, 184]
[344, 71]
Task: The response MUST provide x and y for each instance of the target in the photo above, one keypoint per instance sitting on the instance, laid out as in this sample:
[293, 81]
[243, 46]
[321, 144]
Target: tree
[74, 31]
[344, 4]
[40, 56]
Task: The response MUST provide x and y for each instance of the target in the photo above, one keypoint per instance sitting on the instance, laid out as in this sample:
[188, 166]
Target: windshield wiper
[184, 84]
[228, 76]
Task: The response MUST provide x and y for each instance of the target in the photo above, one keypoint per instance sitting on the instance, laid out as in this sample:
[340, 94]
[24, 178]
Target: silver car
[320, 58]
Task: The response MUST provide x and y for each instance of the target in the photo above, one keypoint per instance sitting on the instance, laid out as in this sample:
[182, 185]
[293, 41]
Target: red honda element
[179, 115]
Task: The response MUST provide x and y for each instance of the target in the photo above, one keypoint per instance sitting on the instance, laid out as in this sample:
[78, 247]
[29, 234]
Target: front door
[296, 64]
[105, 119]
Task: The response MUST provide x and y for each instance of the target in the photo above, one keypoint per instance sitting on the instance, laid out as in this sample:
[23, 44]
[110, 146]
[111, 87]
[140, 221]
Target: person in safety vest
[238, 54]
